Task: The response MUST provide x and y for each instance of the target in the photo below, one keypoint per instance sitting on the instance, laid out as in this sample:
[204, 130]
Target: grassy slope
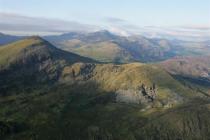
[102, 51]
[36, 46]
[9, 52]
[191, 71]
[128, 76]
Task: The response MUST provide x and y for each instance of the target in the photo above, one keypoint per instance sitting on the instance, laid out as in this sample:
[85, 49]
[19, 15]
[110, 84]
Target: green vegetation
[11, 51]
[50, 94]
[103, 51]
[85, 112]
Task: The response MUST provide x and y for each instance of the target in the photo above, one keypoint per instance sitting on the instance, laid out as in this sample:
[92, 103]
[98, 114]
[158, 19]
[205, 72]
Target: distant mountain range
[107, 47]
[104, 46]
[5, 39]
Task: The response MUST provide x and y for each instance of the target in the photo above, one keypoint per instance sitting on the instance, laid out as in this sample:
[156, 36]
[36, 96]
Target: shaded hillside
[85, 111]
[188, 122]
[32, 58]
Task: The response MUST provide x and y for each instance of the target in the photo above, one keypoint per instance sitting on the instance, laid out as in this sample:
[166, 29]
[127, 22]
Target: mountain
[193, 70]
[38, 48]
[47, 93]
[5, 39]
[34, 58]
[107, 47]
[191, 48]
[97, 45]
[99, 36]
[189, 66]
[107, 51]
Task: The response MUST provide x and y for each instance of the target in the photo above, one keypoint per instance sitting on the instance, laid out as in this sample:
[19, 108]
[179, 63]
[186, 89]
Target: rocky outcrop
[141, 95]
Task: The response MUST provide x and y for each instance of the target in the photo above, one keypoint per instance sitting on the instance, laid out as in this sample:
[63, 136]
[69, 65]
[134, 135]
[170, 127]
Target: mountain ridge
[36, 59]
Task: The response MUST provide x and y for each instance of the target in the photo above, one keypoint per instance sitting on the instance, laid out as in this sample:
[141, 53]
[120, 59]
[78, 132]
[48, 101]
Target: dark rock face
[141, 95]
[149, 92]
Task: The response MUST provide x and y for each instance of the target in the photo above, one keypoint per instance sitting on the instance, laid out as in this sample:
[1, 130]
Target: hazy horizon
[54, 17]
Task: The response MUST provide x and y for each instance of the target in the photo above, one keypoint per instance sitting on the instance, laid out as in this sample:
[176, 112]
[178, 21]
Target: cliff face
[141, 95]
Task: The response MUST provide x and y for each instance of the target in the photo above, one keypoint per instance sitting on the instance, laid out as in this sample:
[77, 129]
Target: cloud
[115, 20]
[120, 26]
[186, 33]
[15, 22]
[24, 25]
[197, 27]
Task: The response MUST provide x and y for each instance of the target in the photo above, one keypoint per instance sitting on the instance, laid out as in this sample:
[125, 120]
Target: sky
[136, 12]
[124, 17]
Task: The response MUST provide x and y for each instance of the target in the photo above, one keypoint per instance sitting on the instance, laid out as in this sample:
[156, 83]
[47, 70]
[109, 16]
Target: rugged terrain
[47, 93]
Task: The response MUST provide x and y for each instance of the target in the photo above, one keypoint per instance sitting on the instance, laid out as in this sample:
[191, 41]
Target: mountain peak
[103, 32]
[35, 37]
[35, 49]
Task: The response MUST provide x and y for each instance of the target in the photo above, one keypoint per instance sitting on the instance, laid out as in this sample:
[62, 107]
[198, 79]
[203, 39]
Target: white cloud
[20, 23]
[25, 25]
